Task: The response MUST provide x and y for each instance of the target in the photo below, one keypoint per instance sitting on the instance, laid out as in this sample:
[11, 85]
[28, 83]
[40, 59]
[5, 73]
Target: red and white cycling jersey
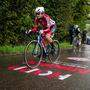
[46, 22]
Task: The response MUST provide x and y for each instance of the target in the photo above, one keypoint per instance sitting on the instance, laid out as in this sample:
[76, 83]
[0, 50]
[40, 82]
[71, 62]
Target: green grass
[65, 45]
[10, 49]
[20, 49]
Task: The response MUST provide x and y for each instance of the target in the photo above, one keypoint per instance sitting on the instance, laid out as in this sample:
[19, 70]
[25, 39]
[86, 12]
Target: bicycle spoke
[33, 53]
[54, 53]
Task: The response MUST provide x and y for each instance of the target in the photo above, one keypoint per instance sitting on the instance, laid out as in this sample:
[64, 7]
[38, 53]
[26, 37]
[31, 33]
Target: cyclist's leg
[53, 29]
[49, 38]
[50, 35]
[44, 44]
[74, 43]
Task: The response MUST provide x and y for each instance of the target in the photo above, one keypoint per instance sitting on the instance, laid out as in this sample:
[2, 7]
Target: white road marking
[32, 70]
[46, 74]
[78, 59]
[62, 77]
[20, 67]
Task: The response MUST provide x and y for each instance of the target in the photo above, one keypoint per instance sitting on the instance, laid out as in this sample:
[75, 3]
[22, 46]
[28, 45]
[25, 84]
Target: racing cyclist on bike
[77, 38]
[48, 25]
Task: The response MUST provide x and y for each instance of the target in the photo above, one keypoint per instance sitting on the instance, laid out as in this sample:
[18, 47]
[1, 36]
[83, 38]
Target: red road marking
[37, 72]
[23, 70]
[56, 66]
[12, 67]
[66, 68]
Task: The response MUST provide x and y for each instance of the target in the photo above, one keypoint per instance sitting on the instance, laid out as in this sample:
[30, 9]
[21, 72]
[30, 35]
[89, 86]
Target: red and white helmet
[39, 10]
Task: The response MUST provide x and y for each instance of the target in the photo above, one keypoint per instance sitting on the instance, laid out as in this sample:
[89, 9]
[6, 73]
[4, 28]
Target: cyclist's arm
[35, 28]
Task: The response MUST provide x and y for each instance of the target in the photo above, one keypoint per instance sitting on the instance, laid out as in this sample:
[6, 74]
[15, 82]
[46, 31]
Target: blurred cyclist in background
[76, 30]
[77, 39]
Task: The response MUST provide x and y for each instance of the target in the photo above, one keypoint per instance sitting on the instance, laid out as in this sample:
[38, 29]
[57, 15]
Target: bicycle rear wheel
[33, 54]
[54, 53]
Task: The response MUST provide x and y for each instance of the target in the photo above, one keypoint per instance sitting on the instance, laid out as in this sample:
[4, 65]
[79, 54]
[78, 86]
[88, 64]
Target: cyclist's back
[76, 30]
[45, 22]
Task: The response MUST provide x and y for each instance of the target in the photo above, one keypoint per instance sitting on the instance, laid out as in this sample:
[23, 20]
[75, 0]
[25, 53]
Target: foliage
[16, 16]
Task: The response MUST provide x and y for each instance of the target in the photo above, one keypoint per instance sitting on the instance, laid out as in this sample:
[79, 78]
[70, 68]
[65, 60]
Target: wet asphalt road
[71, 72]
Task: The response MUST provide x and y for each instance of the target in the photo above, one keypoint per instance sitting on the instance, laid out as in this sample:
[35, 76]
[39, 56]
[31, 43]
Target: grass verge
[20, 49]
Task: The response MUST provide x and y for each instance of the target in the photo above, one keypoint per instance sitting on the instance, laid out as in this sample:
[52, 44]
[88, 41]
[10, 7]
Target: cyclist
[43, 21]
[76, 30]
[77, 37]
[48, 25]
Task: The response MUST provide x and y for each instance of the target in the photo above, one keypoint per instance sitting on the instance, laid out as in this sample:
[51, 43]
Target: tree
[17, 15]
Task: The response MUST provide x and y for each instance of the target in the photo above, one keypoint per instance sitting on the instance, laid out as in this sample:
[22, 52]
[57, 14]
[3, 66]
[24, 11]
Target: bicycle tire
[53, 57]
[33, 57]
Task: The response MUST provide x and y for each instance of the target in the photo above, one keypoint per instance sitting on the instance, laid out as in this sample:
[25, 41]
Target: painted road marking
[78, 59]
[74, 65]
[53, 66]
[54, 75]
[46, 74]
[32, 70]
[62, 77]
[66, 68]
[20, 67]
[49, 73]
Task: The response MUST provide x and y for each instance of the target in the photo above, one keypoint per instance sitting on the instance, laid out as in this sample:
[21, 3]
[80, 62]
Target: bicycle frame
[41, 41]
[40, 51]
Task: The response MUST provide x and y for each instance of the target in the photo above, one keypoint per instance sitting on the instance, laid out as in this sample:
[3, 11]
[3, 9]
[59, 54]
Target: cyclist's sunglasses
[38, 13]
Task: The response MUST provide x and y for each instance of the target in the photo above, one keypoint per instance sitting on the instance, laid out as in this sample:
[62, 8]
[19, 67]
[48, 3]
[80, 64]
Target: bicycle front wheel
[33, 54]
[54, 53]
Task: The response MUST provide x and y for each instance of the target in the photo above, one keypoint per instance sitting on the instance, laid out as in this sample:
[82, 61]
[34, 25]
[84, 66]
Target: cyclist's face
[39, 15]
